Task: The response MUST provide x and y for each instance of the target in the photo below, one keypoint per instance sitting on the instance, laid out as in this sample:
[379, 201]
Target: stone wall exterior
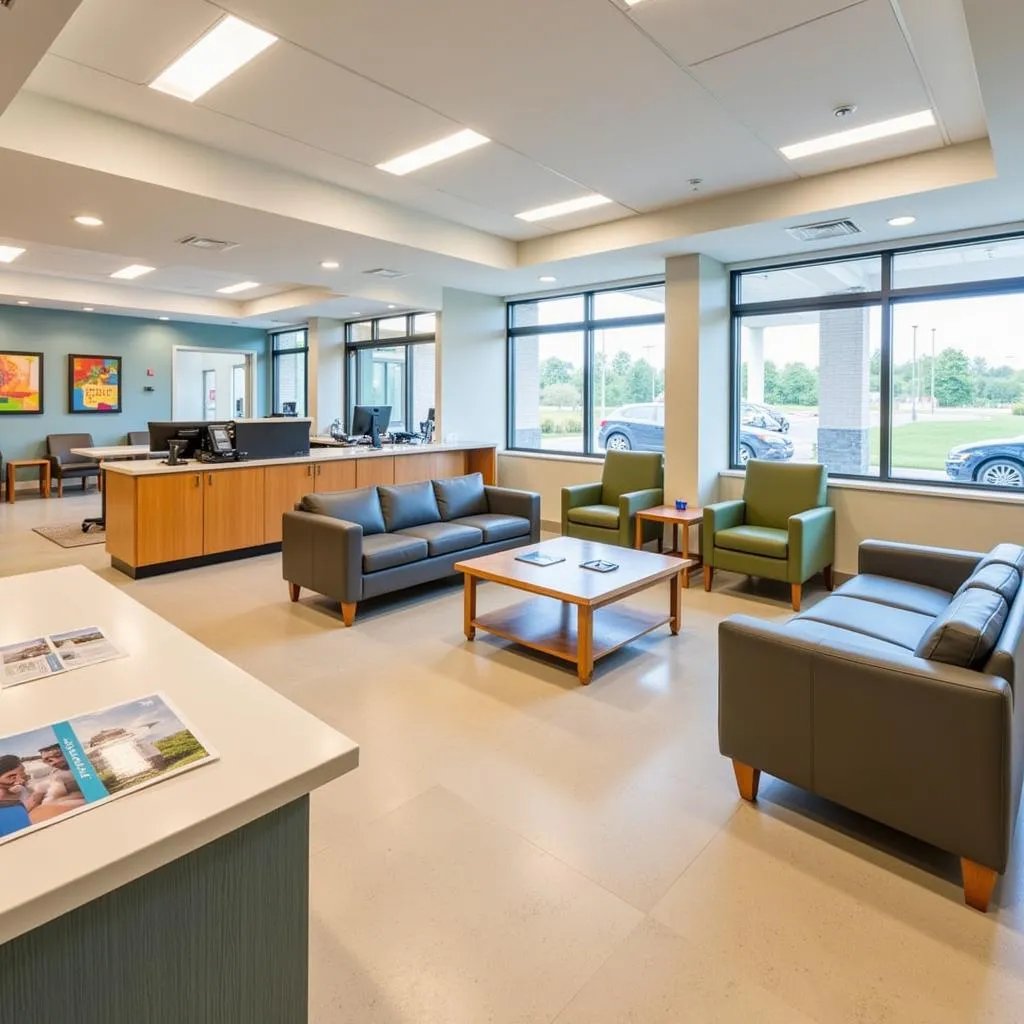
[844, 425]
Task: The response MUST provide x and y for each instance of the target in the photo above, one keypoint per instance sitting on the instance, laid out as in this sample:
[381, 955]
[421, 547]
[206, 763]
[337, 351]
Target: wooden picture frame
[94, 383]
[21, 383]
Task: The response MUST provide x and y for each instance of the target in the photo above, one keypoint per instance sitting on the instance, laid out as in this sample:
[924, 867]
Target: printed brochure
[62, 769]
[48, 655]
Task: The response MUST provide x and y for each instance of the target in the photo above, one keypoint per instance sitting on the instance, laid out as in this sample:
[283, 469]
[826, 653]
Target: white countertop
[114, 451]
[156, 467]
[271, 752]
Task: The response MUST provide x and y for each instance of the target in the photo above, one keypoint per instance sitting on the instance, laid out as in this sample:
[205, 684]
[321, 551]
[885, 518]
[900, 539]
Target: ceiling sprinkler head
[846, 110]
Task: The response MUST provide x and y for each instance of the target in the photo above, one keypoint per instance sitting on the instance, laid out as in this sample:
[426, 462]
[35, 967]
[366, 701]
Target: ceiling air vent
[826, 229]
[384, 272]
[209, 244]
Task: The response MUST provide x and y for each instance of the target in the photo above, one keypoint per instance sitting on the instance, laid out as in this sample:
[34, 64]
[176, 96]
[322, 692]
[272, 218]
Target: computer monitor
[371, 420]
[191, 432]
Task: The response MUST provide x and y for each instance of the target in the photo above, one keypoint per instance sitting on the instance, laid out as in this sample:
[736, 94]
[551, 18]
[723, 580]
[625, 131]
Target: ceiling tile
[694, 30]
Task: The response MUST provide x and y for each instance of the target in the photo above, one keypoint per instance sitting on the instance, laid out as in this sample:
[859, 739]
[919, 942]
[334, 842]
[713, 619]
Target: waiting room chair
[64, 465]
[606, 511]
[138, 437]
[781, 529]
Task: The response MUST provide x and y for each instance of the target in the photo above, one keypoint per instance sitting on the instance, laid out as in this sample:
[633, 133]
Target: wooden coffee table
[680, 520]
[546, 621]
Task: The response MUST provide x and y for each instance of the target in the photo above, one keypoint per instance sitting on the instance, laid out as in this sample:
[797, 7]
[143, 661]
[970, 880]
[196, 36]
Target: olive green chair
[781, 529]
[606, 511]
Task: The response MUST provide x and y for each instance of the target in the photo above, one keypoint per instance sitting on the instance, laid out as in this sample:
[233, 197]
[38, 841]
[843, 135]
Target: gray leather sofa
[353, 545]
[894, 697]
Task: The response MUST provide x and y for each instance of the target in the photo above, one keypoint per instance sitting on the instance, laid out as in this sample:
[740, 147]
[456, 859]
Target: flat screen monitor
[277, 438]
[191, 432]
[370, 420]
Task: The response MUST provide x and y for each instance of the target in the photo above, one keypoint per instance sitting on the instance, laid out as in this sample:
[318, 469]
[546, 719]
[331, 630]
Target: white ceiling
[577, 95]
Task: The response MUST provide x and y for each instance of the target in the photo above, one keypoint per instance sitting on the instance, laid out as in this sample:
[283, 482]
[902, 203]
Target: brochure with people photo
[48, 655]
[58, 770]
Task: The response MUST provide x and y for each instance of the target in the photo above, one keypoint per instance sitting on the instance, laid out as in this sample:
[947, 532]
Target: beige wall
[946, 521]
[548, 476]
[326, 372]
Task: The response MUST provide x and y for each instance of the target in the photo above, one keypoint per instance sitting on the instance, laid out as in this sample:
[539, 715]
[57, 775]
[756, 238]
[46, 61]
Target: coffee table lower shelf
[552, 627]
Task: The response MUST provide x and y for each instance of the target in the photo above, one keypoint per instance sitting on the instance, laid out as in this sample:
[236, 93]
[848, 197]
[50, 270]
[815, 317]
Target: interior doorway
[212, 384]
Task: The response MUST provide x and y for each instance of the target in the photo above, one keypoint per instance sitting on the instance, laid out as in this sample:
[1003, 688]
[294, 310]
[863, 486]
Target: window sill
[550, 456]
[922, 490]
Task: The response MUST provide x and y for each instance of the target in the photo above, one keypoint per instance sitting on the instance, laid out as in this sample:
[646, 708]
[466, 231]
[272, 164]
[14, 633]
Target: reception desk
[162, 518]
[184, 902]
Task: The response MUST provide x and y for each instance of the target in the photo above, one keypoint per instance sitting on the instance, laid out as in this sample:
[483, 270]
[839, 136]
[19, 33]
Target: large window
[905, 366]
[391, 361]
[587, 371]
[290, 371]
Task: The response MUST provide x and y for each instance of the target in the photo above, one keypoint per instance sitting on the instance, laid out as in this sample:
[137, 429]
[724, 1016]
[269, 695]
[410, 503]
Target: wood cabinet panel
[410, 469]
[448, 464]
[233, 506]
[283, 486]
[169, 518]
[335, 476]
[120, 515]
[380, 470]
[483, 460]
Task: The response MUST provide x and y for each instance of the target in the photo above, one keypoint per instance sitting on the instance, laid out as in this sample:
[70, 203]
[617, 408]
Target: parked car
[641, 427]
[754, 414]
[998, 463]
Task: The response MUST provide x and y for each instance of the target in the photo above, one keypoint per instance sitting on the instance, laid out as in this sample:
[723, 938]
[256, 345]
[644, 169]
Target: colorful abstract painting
[94, 383]
[21, 383]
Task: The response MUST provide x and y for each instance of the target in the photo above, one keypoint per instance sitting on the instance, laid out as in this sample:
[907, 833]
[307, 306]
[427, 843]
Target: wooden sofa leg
[797, 590]
[829, 580]
[709, 575]
[747, 779]
[348, 613]
[293, 591]
[979, 881]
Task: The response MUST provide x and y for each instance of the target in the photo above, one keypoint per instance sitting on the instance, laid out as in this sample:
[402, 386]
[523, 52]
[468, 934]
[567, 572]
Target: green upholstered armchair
[781, 529]
[606, 511]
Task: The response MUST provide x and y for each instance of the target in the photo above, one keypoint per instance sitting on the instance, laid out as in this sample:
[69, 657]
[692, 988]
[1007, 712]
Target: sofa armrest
[873, 731]
[812, 542]
[635, 501]
[323, 554]
[722, 515]
[944, 568]
[508, 502]
[577, 496]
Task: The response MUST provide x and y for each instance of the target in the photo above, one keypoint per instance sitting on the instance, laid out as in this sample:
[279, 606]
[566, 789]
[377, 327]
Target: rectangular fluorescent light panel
[229, 45]
[561, 209]
[854, 136]
[132, 272]
[242, 286]
[443, 149]
[9, 253]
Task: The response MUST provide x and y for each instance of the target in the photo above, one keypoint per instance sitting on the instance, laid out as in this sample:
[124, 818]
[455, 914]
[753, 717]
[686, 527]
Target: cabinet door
[377, 469]
[283, 486]
[410, 469]
[448, 464]
[169, 514]
[232, 509]
[335, 476]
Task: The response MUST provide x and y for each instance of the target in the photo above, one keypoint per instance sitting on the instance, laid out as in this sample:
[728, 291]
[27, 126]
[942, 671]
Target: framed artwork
[21, 383]
[94, 383]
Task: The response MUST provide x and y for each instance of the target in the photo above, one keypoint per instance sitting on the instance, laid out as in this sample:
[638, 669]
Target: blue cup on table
[680, 505]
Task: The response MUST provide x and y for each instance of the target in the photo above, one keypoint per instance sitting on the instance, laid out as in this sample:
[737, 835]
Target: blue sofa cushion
[361, 506]
[460, 496]
[408, 505]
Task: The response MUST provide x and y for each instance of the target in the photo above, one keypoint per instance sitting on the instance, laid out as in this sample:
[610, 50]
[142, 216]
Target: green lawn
[924, 444]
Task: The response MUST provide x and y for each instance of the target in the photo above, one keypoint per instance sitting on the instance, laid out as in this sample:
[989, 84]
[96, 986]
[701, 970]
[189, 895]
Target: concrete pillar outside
[752, 351]
[844, 416]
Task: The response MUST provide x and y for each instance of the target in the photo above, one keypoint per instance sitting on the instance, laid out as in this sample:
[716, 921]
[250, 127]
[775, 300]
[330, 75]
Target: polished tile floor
[515, 848]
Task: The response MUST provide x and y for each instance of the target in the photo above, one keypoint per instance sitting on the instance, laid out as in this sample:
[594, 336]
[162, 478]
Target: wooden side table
[669, 514]
[13, 465]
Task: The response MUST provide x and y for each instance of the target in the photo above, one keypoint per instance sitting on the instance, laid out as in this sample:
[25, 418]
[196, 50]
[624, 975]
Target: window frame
[406, 342]
[887, 298]
[588, 327]
[276, 354]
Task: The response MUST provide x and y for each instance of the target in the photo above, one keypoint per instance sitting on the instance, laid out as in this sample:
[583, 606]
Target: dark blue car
[997, 463]
[641, 427]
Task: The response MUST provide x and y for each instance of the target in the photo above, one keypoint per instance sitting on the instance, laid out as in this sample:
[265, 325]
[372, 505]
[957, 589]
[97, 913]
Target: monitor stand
[375, 432]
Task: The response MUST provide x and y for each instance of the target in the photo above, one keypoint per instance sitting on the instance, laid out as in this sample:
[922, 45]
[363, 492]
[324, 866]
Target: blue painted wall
[142, 344]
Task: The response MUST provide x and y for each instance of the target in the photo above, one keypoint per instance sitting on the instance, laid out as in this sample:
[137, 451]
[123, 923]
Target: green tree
[952, 378]
[642, 382]
[555, 371]
[772, 387]
[564, 396]
[799, 385]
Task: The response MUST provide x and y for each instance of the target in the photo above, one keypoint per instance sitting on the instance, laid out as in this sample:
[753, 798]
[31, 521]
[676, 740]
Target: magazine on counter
[48, 655]
[539, 558]
[55, 771]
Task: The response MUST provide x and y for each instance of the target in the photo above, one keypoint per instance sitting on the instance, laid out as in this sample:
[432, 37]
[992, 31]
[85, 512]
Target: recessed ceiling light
[391, 305]
[443, 149]
[9, 253]
[132, 272]
[901, 222]
[547, 279]
[357, 312]
[854, 136]
[561, 209]
[89, 222]
[229, 45]
[87, 309]
[23, 302]
[242, 286]
[163, 318]
[330, 264]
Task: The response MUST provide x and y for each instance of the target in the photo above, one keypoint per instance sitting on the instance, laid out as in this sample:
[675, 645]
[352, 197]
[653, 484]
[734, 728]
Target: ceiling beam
[27, 30]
